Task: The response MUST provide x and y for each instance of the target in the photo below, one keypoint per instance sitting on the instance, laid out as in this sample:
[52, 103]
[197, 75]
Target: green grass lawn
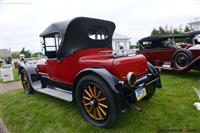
[171, 107]
[15, 75]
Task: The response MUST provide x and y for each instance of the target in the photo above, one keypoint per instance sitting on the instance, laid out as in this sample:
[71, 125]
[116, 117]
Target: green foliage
[37, 54]
[171, 31]
[133, 47]
[170, 107]
[187, 29]
[27, 53]
[155, 32]
[15, 54]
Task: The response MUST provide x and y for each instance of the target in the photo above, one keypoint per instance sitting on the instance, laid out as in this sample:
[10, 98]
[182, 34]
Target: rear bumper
[147, 81]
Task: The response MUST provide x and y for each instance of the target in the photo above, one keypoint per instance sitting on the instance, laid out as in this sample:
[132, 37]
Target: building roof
[117, 36]
[195, 21]
[5, 52]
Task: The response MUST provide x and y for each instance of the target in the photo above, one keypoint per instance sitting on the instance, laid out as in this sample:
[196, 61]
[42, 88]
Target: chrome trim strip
[151, 81]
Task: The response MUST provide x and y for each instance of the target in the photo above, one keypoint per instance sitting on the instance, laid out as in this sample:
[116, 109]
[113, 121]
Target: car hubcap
[182, 60]
[94, 102]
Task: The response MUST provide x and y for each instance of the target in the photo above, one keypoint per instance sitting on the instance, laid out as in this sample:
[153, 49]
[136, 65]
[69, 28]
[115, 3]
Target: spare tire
[182, 58]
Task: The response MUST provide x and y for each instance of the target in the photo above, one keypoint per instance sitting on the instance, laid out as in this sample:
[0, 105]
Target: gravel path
[10, 86]
[3, 128]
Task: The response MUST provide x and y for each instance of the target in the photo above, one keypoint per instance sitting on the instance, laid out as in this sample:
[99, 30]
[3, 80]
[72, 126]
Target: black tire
[86, 82]
[26, 82]
[150, 92]
[182, 58]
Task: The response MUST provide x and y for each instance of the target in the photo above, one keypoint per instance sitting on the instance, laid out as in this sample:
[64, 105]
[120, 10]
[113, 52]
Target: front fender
[31, 72]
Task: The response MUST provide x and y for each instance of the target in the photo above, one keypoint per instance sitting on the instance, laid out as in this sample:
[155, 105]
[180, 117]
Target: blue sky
[21, 21]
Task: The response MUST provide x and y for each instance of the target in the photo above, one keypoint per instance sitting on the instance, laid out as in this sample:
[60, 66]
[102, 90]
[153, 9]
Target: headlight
[131, 79]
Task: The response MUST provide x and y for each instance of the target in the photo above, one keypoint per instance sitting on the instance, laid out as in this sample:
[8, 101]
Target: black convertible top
[75, 33]
[165, 37]
[58, 27]
[193, 33]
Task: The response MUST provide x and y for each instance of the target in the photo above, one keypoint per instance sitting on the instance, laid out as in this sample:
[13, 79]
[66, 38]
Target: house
[195, 24]
[120, 41]
[5, 52]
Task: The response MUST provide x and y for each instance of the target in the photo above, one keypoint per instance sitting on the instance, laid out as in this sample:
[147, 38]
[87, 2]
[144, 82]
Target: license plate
[140, 93]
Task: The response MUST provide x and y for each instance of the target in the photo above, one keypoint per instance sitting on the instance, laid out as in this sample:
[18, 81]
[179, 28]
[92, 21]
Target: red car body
[88, 58]
[165, 55]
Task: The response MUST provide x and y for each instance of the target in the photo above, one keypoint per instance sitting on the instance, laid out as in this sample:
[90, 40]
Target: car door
[51, 47]
[156, 53]
[52, 68]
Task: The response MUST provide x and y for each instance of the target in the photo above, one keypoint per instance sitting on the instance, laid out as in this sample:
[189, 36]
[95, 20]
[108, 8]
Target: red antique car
[174, 52]
[81, 67]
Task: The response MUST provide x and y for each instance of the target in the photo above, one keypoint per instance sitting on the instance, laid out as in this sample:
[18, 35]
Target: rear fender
[104, 74]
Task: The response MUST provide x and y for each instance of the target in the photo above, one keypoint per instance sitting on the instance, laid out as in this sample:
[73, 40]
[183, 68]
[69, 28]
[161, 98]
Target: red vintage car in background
[81, 67]
[174, 52]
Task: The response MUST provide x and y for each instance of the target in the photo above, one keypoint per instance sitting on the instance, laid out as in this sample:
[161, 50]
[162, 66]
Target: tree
[27, 53]
[15, 54]
[187, 29]
[175, 31]
[161, 31]
[171, 31]
[37, 54]
[154, 32]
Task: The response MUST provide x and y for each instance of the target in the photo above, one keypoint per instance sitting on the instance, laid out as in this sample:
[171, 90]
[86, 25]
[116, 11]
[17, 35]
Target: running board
[58, 93]
[165, 67]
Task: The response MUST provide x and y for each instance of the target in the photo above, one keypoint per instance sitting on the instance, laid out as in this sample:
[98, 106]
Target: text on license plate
[140, 93]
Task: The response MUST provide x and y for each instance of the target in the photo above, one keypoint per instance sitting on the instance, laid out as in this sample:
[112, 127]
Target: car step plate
[58, 93]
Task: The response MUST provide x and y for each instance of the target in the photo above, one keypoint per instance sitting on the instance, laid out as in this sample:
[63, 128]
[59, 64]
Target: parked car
[174, 52]
[81, 67]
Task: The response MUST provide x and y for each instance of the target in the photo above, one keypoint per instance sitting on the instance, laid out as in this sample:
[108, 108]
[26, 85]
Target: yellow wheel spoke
[102, 99]
[90, 109]
[104, 113]
[86, 98]
[86, 104]
[103, 105]
[95, 91]
[99, 113]
[90, 89]
[87, 93]
[95, 113]
[99, 93]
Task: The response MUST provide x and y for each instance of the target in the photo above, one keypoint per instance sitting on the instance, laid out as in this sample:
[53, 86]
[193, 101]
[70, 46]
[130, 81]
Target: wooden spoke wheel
[96, 101]
[26, 83]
